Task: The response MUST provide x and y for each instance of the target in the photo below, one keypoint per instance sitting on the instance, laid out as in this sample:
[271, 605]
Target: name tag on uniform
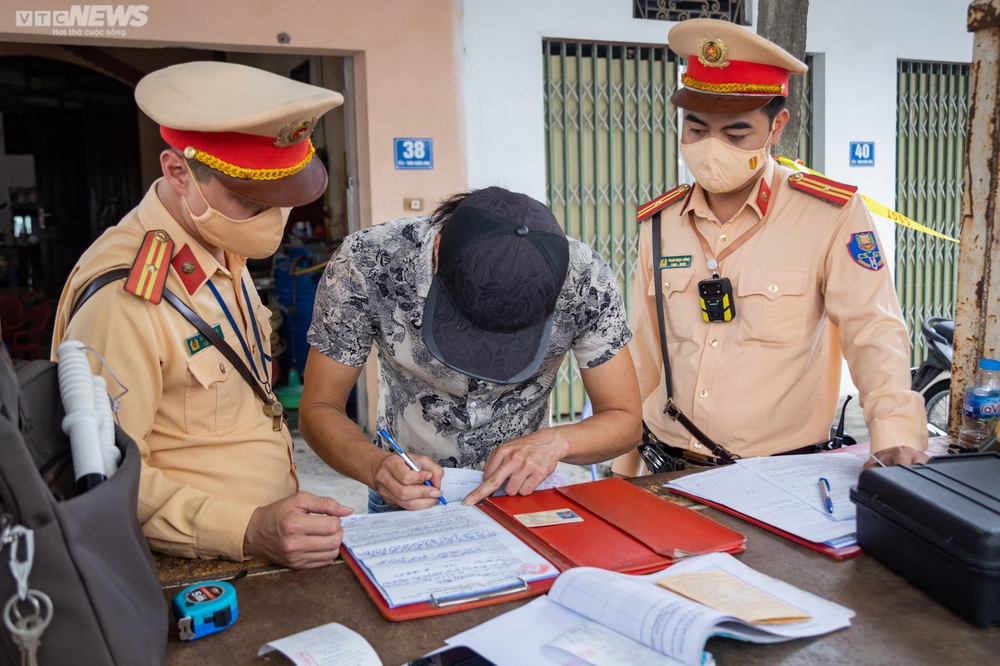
[676, 261]
[198, 342]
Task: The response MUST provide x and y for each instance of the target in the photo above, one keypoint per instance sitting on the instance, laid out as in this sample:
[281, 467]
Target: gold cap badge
[713, 53]
[294, 133]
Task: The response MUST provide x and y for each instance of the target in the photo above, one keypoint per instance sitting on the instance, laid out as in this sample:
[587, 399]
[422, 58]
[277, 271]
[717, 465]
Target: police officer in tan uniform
[218, 479]
[790, 265]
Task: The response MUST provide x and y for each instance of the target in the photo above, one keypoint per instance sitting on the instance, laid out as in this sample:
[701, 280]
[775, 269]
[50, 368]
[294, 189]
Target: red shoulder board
[828, 190]
[662, 201]
[151, 266]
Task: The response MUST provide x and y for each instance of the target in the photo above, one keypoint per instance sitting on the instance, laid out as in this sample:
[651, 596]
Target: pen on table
[402, 454]
[875, 458]
[824, 487]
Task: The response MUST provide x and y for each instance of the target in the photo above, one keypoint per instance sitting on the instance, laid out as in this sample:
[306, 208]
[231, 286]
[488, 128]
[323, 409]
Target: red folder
[836, 553]
[624, 528]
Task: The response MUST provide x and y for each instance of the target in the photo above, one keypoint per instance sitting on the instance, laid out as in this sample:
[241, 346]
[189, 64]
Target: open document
[598, 617]
[440, 553]
[459, 482]
[784, 492]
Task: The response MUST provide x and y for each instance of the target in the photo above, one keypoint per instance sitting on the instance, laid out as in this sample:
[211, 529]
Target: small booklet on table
[598, 617]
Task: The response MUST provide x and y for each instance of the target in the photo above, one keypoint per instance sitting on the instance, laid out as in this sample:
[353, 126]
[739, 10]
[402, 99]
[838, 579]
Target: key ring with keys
[17, 622]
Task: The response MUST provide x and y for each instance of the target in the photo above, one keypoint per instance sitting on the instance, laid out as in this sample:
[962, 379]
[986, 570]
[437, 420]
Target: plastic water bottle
[982, 405]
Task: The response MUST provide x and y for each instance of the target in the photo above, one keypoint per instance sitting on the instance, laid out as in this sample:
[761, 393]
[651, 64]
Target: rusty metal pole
[977, 306]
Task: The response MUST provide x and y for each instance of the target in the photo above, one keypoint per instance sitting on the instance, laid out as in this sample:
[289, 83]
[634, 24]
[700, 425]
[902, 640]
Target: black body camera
[716, 295]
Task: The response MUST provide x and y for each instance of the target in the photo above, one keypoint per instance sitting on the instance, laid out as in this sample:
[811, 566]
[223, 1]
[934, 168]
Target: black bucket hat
[502, 262]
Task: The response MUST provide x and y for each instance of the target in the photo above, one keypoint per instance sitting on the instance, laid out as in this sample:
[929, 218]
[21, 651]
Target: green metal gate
[933, 101]
[611, 145]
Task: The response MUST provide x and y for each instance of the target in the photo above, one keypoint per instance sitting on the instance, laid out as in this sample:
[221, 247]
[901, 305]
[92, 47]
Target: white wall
[861, 41]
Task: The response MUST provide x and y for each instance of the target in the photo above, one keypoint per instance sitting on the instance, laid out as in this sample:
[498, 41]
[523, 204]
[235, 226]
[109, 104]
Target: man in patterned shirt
[472, 311]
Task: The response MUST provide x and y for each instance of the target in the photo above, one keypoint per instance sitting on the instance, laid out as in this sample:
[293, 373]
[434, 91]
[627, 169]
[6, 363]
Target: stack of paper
[784, 491]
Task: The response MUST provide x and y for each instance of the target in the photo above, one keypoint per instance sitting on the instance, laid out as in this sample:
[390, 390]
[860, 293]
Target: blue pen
[824, 487]
[409, 463]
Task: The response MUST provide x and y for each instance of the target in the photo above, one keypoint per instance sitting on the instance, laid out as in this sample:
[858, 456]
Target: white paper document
[441, 552]
[768, 490]
[559, 628]
[800, 475]
[327, 645]
[593, 643]
[458, 482]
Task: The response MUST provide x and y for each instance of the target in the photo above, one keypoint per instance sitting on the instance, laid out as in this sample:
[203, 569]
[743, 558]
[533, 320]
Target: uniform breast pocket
[774, 308]
[216, 398]
[263, 315]
[680, 301]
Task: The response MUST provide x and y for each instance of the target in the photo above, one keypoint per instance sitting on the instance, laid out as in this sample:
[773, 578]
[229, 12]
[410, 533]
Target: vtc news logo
[84, 16]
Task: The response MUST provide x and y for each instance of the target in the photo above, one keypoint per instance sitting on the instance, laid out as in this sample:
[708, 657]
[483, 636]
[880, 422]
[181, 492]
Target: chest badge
[675, 261]
[198, 342]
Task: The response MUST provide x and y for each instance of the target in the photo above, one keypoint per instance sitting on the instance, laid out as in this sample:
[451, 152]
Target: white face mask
[720, 167]
[257, 237]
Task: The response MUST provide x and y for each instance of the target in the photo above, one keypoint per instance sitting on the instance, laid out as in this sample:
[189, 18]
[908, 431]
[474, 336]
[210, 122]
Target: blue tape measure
[206, 608]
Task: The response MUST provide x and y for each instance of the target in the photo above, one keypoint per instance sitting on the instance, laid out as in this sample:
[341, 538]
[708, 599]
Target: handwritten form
[445, 550]
[783, 491]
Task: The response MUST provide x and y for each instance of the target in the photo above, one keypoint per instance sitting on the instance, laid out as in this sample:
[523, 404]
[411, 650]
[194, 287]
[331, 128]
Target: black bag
[90, 556]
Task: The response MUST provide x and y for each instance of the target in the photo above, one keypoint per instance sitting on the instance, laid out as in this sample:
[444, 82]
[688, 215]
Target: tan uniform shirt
[768, 381]
[210, 455]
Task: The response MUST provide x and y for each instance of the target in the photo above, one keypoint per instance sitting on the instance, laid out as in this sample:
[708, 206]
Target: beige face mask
[257, 237]
[720, 167]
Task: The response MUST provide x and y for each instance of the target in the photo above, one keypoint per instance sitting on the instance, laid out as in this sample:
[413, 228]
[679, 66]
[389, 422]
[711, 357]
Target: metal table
[896, 623]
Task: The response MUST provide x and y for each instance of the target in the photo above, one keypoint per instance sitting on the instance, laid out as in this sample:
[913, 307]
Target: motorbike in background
[932, 379]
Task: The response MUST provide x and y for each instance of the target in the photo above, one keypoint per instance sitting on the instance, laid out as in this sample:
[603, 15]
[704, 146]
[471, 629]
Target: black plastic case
[938, 525]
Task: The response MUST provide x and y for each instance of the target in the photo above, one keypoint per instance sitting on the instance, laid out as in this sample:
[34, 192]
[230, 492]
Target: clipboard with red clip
[842, 553]
[624, 529]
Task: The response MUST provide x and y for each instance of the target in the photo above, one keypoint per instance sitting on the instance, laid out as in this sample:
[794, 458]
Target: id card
[543, 518]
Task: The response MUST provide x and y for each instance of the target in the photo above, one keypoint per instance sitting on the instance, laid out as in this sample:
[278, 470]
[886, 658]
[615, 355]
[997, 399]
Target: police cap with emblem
[249, 126]
[729, 68]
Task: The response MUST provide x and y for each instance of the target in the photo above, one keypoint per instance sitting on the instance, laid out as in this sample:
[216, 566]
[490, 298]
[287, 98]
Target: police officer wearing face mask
[765, 276]
[218, 480]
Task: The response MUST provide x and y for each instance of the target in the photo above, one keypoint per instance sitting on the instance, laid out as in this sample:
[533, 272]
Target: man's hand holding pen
[403, 486]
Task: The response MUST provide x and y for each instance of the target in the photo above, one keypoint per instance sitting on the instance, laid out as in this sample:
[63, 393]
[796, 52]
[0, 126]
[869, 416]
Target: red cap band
[246, 156]
[738, 77]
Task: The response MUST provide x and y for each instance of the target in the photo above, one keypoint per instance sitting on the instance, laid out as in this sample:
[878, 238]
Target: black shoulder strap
[659, 306]
[97, 284]
[105, 279]
[218, 341]
[671, 409]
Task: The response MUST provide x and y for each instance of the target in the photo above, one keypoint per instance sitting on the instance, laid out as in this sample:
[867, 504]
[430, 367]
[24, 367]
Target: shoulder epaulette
[662, 201]
[828, 190]
[149, 271]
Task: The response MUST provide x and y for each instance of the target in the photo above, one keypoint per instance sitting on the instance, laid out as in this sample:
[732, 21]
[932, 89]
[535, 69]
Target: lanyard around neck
[246, 350]
[735, 245]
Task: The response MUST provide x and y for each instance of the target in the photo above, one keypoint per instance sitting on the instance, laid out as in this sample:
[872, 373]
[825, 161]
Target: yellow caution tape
[876, 207]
